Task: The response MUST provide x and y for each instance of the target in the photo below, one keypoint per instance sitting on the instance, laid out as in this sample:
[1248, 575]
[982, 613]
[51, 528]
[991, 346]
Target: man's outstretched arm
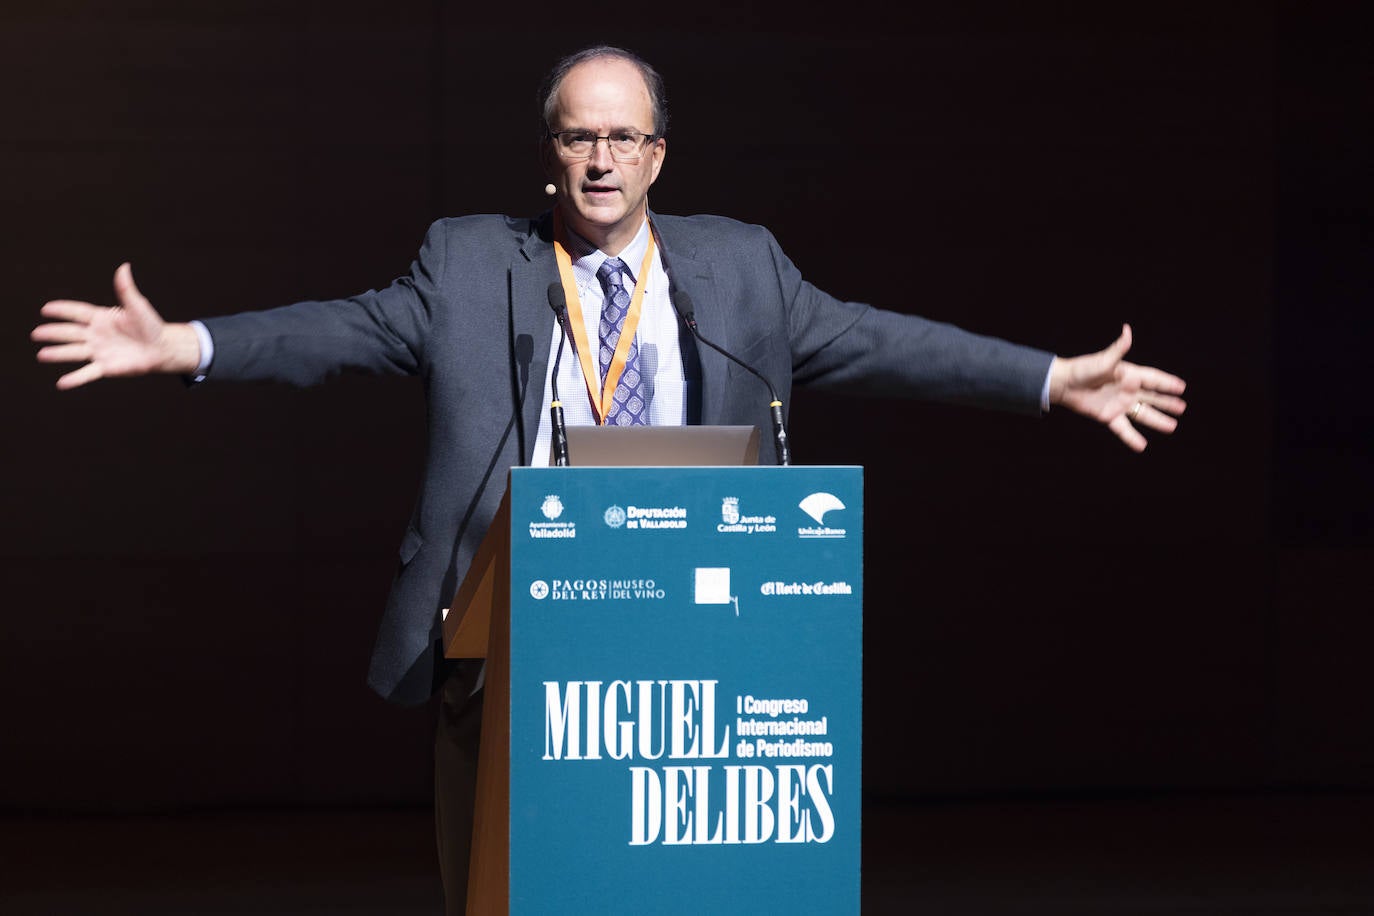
[1122, 396]
[129, 339]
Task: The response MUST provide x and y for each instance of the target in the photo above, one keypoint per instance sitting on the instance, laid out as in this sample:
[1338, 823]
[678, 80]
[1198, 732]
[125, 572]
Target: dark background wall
[192, 579]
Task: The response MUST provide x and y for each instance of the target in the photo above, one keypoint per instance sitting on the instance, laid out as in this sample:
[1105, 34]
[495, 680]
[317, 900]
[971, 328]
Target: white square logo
[713, 585]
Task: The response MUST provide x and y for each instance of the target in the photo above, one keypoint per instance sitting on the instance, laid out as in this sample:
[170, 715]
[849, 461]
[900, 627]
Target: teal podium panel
[686, 690]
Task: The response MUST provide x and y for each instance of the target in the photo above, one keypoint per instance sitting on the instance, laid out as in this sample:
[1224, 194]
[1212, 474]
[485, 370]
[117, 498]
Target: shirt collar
[587, 257]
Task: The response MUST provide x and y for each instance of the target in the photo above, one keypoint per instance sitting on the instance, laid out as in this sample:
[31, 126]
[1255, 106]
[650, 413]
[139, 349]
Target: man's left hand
[1121, 395]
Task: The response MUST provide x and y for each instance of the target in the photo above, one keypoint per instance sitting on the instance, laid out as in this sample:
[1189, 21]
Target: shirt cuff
[207, 352]
[1044, 390]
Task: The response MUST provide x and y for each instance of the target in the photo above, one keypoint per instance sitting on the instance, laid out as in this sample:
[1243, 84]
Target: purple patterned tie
[628, 407]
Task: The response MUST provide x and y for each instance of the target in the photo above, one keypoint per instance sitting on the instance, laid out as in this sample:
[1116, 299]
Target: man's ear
[660, 152]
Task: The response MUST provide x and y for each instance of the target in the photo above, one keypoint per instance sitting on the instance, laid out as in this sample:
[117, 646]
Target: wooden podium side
[478, 626]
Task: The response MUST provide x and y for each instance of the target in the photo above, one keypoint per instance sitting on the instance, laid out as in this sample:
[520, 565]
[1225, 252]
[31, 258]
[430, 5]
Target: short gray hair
[548, 90]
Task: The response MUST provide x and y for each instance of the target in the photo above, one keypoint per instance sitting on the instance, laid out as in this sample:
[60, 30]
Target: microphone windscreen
[682, 304]
[558, 301]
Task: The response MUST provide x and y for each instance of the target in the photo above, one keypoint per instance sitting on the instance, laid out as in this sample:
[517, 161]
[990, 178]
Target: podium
[673, 691]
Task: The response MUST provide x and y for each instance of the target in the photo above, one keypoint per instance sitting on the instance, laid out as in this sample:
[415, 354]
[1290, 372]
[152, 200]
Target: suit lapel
[534, 268]
[694, 275]
[531, 272]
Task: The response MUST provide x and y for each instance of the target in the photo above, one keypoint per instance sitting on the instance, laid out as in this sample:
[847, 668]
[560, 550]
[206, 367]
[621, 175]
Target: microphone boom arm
[559, 303]
[682, 304]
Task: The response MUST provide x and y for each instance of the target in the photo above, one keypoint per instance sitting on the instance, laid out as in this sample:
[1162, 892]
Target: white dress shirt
[660, 355]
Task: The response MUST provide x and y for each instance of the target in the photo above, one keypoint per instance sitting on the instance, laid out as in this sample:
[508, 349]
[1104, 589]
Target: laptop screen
[662, 446]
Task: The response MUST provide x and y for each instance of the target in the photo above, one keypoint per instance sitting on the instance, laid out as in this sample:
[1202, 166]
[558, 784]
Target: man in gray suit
[472, 319]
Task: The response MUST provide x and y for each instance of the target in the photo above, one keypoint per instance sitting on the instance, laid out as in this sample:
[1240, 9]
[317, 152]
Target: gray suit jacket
[472, 320]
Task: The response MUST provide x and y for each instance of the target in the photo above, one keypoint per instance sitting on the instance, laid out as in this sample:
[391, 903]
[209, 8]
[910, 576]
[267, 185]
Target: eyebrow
[589, 130]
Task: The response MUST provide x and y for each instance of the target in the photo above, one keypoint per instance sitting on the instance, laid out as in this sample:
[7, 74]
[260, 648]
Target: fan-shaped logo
[817, 505]
[614, 516]
[552, 507]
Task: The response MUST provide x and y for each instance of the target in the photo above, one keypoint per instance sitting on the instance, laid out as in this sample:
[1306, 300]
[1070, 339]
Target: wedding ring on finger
[1135, 411]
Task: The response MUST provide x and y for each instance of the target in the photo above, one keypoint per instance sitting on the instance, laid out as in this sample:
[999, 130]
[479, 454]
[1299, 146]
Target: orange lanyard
[601, 402]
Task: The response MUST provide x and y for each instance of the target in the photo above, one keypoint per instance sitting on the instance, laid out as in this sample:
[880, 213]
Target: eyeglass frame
[557, 143]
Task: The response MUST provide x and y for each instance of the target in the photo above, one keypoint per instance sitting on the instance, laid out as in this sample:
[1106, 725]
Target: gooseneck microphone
[558, 301]
[682, 304]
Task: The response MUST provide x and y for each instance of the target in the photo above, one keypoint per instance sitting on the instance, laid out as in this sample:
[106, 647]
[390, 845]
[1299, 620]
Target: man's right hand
[126, 340]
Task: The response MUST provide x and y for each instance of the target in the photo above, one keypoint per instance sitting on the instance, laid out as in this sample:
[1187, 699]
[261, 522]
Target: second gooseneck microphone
[682, 304]
[558, 301]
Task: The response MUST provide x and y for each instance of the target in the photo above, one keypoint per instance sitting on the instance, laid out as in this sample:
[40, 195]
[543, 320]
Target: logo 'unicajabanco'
[817, 505]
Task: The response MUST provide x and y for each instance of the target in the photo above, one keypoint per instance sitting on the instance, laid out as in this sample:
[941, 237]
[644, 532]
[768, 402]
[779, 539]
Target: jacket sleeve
[380, 332]
[860, 349]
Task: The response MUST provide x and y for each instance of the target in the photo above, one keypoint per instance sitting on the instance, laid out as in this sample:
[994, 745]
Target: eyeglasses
[624, 145]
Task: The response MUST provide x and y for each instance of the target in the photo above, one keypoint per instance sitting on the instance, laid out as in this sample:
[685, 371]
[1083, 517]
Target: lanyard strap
[601, 401]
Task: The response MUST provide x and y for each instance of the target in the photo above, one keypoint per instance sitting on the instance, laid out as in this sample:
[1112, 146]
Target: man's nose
[600, 159]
